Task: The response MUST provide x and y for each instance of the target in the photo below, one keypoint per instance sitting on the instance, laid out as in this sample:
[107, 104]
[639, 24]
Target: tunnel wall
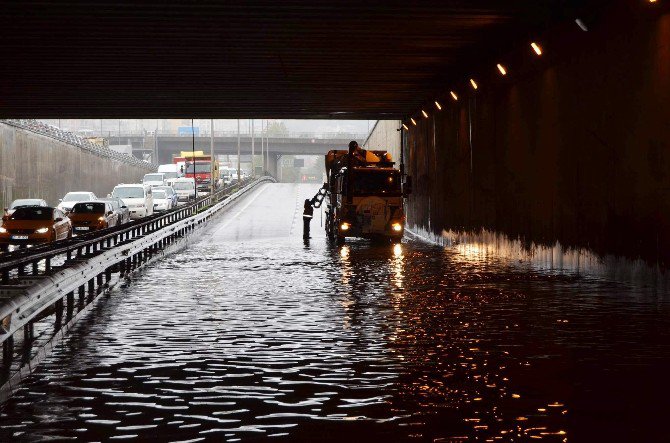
[37, 166]
[570, 150]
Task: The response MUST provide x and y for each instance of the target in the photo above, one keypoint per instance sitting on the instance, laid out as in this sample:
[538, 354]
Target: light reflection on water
[361, 342]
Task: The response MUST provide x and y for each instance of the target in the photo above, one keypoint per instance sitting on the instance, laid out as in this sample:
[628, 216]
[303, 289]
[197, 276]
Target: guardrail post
[108, 275]
[28, 334]
[8, 350]
[47, 265]
[59, 314]
[5, 276]
[82, 291]
[91, 291]
[70, 305]
[99, 280]
[35, 271]
[22, 269]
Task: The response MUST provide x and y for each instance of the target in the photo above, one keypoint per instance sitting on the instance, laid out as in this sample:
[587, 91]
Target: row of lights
[537, 49]
[501, 68]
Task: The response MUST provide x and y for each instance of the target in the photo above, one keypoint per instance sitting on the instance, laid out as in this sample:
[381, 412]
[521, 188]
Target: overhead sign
[188, 130]
[298, 162]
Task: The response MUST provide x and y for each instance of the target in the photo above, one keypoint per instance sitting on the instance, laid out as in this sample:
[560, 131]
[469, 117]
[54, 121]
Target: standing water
[252, 334]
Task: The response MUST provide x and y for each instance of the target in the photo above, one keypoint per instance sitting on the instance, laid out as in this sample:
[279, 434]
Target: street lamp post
[211, 155]
[253, 169]
[239, 161]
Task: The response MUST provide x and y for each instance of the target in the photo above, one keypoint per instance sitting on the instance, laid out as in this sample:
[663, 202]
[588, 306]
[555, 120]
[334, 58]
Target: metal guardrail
[75, 140]
[89, 259]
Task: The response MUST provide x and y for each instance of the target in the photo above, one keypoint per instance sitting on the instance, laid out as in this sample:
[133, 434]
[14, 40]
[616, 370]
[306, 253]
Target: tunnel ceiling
[260, 58]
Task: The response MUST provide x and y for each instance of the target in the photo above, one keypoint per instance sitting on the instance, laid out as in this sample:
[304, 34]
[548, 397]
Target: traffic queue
[33, 221]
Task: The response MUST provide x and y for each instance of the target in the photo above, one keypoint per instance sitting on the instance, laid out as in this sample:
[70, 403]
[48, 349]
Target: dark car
[119, 208]
[92, 216]
[34, 224]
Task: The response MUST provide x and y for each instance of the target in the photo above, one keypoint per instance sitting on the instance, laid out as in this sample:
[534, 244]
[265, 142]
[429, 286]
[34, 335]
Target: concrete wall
[36, 166]
[572, 147]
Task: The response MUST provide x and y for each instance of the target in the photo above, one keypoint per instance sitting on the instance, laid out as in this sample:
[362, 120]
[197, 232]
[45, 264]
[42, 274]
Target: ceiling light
[453, 95]
[474, 84]
[536, 48]
[438, 105]
[424, 113]
[405, 127]
[581, 25]
[502, 69]
[413, 121]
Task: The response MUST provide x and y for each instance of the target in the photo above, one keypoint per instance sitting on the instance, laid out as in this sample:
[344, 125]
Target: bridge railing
[74, 139]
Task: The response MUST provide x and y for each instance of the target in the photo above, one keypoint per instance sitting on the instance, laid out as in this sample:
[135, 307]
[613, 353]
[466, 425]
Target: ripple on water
[269, 339]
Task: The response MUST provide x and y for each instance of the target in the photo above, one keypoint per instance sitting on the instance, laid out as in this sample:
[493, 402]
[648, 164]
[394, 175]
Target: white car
[138, 198]
[162, 201]
[154, 179]
[185, 188]
[169, 191]
[72, 198]
[24, 202]
[170, 171]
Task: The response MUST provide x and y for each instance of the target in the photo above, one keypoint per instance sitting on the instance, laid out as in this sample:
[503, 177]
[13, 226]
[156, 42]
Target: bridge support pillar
[273, 161]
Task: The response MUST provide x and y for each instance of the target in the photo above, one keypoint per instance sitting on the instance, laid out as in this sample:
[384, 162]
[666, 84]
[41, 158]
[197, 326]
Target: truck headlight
[42, 230]
[101, 218]
[397, 227]
[3, 230]
[345, 226]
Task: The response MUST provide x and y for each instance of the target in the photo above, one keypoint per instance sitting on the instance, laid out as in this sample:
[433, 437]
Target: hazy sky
[136, 125]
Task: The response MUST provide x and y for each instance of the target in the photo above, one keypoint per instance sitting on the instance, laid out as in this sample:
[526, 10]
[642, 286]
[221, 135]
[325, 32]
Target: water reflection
[362, 342]
[397, 265]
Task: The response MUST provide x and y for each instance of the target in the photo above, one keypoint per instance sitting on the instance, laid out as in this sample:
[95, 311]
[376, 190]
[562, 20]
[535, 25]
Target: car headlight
[42, 230]
[101, 218]
[345, 226]
[3, 230]
[396, 227]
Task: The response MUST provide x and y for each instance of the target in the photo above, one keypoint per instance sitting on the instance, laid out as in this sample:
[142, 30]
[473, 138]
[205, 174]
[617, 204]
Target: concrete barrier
[34, 165]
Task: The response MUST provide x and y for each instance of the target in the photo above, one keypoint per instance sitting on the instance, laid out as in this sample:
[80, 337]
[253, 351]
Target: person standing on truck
[307, 214]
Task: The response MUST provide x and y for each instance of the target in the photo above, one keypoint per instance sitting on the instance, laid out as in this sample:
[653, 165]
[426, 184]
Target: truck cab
[364, 198]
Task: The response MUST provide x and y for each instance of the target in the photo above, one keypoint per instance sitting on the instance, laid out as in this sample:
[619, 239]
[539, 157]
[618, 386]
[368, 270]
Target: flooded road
[252, 334]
